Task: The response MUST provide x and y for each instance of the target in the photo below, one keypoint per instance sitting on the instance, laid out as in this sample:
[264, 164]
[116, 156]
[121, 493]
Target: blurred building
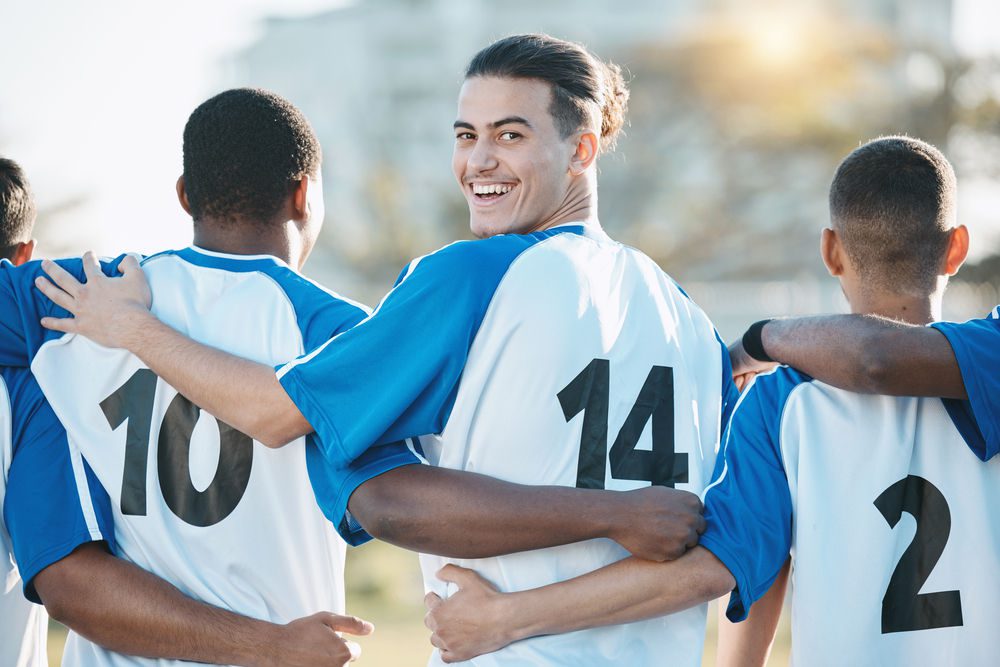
[738, 117]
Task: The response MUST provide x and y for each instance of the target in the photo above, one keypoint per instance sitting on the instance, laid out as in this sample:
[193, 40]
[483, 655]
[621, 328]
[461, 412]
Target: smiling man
[543, 353]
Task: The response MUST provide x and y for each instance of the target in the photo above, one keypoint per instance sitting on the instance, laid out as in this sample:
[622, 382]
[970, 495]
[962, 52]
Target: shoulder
[764, 401]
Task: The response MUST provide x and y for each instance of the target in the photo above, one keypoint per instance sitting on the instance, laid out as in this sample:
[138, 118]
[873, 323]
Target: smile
[488, 193]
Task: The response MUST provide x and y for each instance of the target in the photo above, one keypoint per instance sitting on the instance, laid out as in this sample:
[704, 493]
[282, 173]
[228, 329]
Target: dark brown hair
[17, 206]
[581, 84]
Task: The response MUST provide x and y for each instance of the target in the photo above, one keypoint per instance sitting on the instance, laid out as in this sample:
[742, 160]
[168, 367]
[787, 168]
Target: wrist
[132, 327]
[513, 623]
[268, 649]
[753, 342]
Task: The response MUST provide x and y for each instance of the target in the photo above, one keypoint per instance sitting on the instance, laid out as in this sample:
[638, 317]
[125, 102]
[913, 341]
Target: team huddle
[190, 440]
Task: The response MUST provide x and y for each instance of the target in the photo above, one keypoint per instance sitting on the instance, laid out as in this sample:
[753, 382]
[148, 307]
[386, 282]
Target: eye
[465, 136]
[509, 135]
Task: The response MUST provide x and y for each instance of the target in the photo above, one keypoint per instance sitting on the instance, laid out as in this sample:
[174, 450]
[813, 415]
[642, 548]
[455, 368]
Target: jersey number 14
[589, 393]
[134, 401]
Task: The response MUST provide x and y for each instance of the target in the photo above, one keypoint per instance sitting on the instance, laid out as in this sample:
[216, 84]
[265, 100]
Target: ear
[586, 152]
[958, 250]
[23, 252]
[182, 196]
[300, 200]
[832, 252]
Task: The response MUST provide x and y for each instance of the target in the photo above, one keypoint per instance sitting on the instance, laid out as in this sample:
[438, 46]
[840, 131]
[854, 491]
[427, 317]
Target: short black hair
[581, 83]
[892, 201]
[17, 206]
[244, 150]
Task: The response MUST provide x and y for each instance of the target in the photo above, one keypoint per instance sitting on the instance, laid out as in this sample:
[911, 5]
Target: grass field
[384, 586]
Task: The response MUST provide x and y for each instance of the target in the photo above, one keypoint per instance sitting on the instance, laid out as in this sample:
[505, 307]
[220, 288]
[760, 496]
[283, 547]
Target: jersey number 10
[133, 401]
[589, 392]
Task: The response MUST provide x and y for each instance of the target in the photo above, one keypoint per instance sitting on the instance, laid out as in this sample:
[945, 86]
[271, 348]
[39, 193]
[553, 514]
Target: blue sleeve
[748, 508]
[22, 306]
[53, 503]
[395, 375]
[730, 394]
[333, 485]
[976, 344]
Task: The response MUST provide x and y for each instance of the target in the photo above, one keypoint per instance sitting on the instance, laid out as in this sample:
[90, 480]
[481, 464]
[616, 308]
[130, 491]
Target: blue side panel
[43, 508]
[748, 508]
[976, 344]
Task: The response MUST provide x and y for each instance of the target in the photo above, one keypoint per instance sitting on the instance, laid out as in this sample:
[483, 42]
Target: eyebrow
[509, 120]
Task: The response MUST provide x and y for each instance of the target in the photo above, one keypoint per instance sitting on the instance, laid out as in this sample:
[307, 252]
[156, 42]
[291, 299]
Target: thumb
[460, 576]
[349, 624]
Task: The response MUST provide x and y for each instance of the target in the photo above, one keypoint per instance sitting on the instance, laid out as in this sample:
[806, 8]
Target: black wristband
[752, 343]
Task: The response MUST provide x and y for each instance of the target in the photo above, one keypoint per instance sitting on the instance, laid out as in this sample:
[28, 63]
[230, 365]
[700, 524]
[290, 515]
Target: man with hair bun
[543, 353]
[824, 476]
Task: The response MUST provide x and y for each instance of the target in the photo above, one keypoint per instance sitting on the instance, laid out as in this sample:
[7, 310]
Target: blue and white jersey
[50, 507]
[889, 519]
[225, 519]
[976, 344]
[558, 357]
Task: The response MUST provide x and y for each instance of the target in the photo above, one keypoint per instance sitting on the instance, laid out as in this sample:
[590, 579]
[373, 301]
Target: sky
[95, 106]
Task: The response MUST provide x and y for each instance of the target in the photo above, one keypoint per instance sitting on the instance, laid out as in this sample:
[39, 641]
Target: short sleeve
[333, 485]
[976, 344]
[748, 507]
[395, 375]
[53, 502]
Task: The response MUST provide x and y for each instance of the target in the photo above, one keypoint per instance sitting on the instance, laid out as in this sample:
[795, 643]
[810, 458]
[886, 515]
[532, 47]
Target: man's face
[510, 160]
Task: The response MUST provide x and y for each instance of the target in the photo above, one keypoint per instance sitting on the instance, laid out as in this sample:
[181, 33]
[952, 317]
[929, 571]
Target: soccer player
[196, 500]
[827, 475]
[544, 353]
[59, 519]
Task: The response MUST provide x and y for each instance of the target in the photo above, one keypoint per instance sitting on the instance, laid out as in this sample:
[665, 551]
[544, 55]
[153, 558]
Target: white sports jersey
[888, 515]
[225, 519]
[560, 357]
[23, 625]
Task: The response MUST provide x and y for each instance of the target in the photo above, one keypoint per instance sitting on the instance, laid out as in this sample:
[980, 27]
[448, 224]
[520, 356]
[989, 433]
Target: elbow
[276, 431]
[876, 364]
[718, 583]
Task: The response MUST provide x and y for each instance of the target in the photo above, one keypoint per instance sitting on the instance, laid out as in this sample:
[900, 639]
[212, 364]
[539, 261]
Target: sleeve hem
[741, 599]
[357, 537]
[51, 556]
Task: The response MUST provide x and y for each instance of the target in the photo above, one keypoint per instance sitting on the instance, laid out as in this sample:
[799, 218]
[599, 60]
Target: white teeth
[490, 189]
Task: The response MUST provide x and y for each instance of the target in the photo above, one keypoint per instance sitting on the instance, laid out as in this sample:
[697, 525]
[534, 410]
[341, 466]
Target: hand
[470, 622]
[657, 523]
[109, 311]
[314, 641]
[745, 367]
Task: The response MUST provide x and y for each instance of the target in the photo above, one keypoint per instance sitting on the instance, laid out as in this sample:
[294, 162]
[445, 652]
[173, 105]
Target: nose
[482, 158]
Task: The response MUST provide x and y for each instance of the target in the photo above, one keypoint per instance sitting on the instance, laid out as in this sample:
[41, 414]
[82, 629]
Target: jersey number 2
[904, 607]
[589, 392]
[133, 401]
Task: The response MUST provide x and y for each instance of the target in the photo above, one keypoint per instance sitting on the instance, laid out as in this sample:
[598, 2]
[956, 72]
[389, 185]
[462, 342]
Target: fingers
[460, 576]
[700, 524]
[432, 600]
[62, 278]
[350, 624]
[91, 266]
[57, 296]
[128, 265]
[354, 649]
[65, 325]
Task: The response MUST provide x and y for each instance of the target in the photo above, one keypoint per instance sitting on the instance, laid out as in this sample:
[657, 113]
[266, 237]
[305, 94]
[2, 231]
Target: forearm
[748, 643]
[627, 591]
[127, 610]
[867, 354]
[241, 393]
[466, 515]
